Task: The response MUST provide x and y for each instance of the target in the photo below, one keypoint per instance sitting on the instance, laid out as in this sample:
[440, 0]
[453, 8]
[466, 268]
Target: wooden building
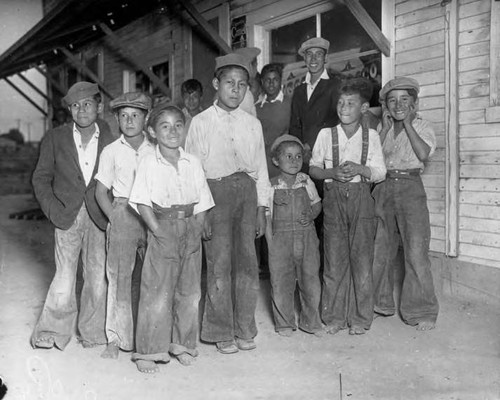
[452, 47]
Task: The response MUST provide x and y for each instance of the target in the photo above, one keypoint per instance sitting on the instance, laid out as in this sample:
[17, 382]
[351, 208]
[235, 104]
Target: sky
[16, 18]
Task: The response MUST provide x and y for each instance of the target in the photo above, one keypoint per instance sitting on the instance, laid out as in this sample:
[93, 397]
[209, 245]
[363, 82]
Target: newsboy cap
[400, 82]
[248, 52]
[318, 42]
[232, 59]
[132, 99]
[80, 90]
[285, 138]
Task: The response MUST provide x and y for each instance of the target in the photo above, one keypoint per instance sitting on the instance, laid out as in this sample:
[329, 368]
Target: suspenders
[364, 147]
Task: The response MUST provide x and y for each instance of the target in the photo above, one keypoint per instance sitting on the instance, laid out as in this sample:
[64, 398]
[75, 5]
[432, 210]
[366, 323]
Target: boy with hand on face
[294, 258]
[401, 204]
[348, 157]
[230, 144]
[64, 186]
[172, 196]
[126, 233]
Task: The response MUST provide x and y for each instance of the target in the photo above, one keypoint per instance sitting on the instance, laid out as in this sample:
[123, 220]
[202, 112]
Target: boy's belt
[396, 173]
[179, 211]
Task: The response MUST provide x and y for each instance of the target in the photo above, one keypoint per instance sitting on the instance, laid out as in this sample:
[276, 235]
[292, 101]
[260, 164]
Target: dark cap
[132, 99]
[232, 59]
[80, 90]
[248, 52]
[400, 82]
[285, 138]
[318, 42]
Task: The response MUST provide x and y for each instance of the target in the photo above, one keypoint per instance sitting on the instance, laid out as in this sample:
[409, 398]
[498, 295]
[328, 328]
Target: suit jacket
[309, 117]
[58, 180]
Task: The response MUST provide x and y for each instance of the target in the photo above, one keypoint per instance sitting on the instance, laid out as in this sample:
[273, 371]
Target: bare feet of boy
[186, 359]
[44, 342]
[332, 329]
[147, 366]
[111, 351]
[356, 330]
[425, 325]
[285, 332]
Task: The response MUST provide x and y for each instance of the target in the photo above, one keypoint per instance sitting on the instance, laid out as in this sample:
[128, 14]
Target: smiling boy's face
[350, 107]
[231, 88]
[400, 104]
[168, 130]
[315, 59]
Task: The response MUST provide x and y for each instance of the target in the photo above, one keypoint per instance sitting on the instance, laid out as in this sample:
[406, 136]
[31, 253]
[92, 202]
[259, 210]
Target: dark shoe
[245, 344]
[227, 347]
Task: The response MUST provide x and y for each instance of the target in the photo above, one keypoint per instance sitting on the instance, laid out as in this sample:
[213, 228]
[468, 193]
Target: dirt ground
[458, 360]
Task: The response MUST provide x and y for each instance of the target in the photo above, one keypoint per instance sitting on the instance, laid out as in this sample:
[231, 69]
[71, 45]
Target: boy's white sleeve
[262, 183]
[312, 191]
[140, 193]
[426, 131]
[319, 152]
[106, 171]
[206, 200]
[375, 159]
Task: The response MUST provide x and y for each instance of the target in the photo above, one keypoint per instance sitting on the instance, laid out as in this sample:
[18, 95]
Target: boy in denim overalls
[292, 240]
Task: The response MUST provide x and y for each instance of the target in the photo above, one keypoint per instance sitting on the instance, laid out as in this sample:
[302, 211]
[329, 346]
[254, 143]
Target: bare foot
[44, 342]
[320, 333]
[356, 330]
[186, 359]
[147, 366]
[332, 329]
[426, 325]
[111, 350]
[285, 332]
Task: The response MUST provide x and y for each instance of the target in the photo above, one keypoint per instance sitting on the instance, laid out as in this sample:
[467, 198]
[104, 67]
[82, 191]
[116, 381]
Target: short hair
[226, 68]
[162, 109]
[275, 153]
[191, 85]
[273, 67]
[359, 86]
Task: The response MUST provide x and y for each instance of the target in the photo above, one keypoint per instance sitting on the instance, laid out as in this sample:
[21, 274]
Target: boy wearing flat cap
[294, 258]
[64, 186]
[401, 204]
[230, 144]
[126, 233]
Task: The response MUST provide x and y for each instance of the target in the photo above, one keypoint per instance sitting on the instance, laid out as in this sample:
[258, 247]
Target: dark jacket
[58, 180]
[309, 117]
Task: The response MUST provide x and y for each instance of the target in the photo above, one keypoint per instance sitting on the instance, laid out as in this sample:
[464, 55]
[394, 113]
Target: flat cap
[232, 59]
[285, 138]
[132, 99]
[80, 90]
[400, 82]
[318, 42]
[248, 52]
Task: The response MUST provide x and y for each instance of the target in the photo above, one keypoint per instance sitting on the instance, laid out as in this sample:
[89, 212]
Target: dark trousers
[126, 236]
[232, 273]
[401, 204]
[349, 233]
[167, 320]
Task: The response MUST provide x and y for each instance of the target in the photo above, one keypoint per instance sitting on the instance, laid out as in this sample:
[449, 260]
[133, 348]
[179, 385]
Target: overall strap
[364, 147]
[335, 147]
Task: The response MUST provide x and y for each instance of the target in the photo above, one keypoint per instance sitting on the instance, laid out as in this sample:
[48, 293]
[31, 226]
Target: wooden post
[52, 81]
[30, 84]
[150, 74]
[388, 21]
[25, 96]
[369, 25]
[452, 162]
[78, 64]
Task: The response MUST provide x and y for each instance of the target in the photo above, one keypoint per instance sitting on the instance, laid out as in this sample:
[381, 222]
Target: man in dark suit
[314, 102]
[64, 186]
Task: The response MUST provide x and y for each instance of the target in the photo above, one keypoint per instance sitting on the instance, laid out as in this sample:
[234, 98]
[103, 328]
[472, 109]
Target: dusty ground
[458, 360]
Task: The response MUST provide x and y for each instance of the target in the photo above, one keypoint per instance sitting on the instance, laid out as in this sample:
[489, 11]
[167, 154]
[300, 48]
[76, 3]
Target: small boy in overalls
[172, 195]
[292, 240]
[126, 233]
[348, 157]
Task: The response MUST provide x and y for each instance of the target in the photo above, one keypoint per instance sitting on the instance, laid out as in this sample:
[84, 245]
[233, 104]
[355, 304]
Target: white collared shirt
[118, 165]
[87, 157]
[157, 181]
[280, 97]
[312, 86]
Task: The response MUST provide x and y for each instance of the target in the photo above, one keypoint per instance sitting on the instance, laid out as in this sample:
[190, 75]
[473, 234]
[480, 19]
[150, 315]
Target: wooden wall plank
[411, 6]
[435, 194]
[471, 63]
[475, 8]
[431, 90]
[479, 225]
[436, 207]
[480, 185]
[480, 211]
[420, 28]
[481, 198]
[421, 41]
[433, 115]
[436, 219]
[474, 90]
[474, 103]
[437, 245]
[480, 238]
[475, 131]
[479, 144]
[477, 21]
[434, 167]
[433, 181]
[474, 36]
[429, 103]
[480, 171]
[417, 67]
[419, 16]
[425, 53]
[476, 76]
[474, 49]
[437, 232]
[472, 250]
[480, 157]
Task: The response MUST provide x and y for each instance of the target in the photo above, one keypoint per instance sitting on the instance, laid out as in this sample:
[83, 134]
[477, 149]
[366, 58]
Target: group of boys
[109, 198]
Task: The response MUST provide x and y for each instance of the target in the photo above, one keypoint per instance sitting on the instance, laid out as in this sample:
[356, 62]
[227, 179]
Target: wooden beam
[52, 81]
[206, 28]
[495, 54]
[26, 96]
[79, 65]
[36, 89]
[369, 25]
[157, 82]
[452, 152]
